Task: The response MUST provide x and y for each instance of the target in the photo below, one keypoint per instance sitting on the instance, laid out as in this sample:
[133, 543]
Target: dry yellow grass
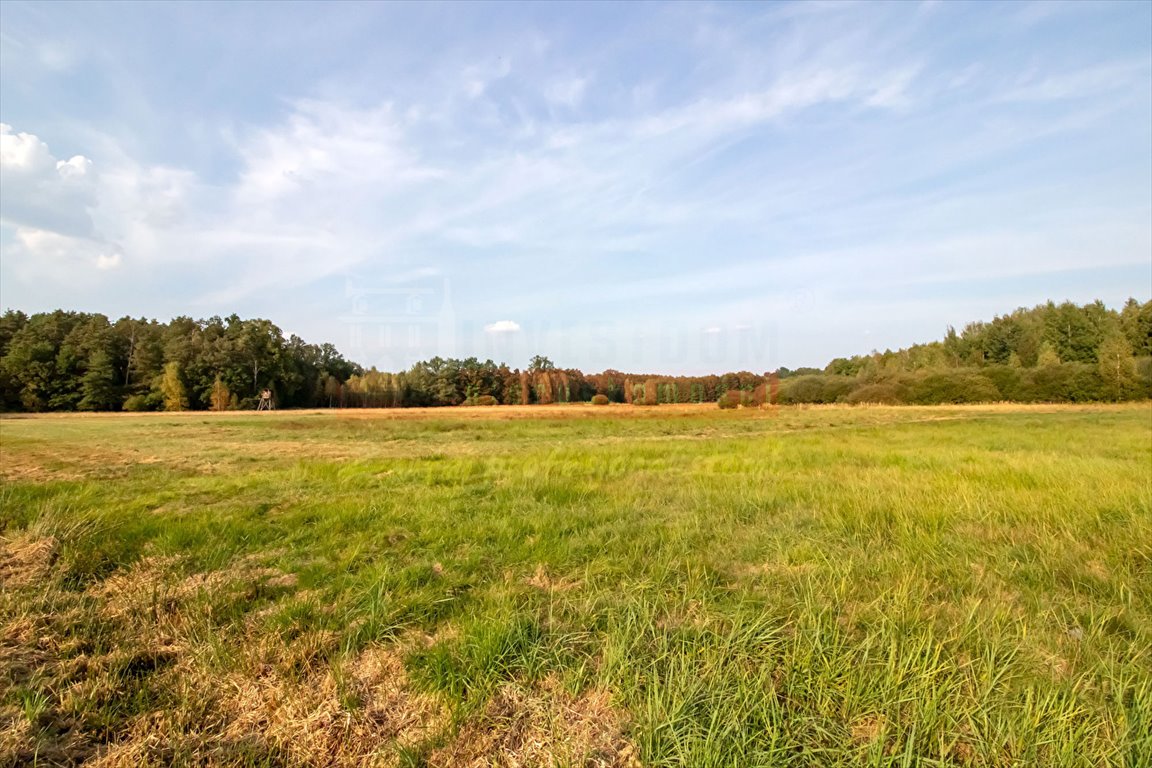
[541, 726]
[280, 699]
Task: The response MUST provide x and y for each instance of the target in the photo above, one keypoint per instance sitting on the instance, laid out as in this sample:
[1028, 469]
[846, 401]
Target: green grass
[819, 587]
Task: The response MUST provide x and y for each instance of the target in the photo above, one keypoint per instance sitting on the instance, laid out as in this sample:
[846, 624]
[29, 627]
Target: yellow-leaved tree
[221, 397]
[172, 389]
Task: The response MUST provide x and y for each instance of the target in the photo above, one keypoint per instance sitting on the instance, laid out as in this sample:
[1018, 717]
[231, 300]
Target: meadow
[579, 586]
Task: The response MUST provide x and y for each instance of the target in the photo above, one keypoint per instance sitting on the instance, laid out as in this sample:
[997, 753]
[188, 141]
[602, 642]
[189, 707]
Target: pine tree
[401, 391]
[99, 384]
[1136, 321]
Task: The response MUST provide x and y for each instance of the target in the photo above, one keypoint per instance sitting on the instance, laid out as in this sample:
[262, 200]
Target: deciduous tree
[221, 398]
[172, 389]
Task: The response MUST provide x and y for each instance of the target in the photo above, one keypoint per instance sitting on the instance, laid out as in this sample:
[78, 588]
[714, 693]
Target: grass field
[575, 586]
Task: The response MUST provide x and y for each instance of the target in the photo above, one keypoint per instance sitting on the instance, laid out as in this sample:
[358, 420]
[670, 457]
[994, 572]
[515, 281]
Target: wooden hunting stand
[266, 403]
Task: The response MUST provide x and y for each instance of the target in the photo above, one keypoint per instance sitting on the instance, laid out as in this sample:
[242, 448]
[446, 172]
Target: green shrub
[729, 400]
[1015, 384]
[1143, 387]
[884, 393]
[483, 400]
[814, 389]
[1068, 383]
[600, 400]
[943, 387]
[137, 403]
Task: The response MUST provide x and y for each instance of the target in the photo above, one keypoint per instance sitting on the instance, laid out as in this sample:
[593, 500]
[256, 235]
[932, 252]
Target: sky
[665, 188]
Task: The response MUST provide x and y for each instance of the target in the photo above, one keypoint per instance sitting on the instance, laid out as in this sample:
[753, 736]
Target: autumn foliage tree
[221, 398]
[563, 393]
[544, 394]
[651, 395]
[172, 388]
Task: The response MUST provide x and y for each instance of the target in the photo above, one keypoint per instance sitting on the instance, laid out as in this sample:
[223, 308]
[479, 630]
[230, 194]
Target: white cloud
[484, 237]
[478, 78]
[57, 56]
[568, 92]
[502, 326]
[42, 192]
[55, 256]
[324, 148]
[893, 92]
[77, 167]
[66, 216]
[1089, 82]
[19, 151]
[49, 203]
[110, 259]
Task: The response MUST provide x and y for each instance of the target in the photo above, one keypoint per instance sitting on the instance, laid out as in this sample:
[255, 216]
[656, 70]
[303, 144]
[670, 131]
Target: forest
[64, 361]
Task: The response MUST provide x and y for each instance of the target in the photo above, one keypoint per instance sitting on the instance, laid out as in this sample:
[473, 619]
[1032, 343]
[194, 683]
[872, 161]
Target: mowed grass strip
[623, 586]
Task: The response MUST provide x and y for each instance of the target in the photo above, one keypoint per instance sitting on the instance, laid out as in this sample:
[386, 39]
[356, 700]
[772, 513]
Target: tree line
[61, 361]
[64, 361]
[1048, 353]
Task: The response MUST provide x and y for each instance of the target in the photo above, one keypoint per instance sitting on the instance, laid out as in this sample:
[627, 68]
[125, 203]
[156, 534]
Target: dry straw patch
[26, 560]
[545, 582]
[152, 584]
[775, 570]
[355, 714]
[541, 727]
[280, 703]
[308, 723]
[867, 729]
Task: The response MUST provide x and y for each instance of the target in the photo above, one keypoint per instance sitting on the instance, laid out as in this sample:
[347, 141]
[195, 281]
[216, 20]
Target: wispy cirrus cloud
[1089, 82]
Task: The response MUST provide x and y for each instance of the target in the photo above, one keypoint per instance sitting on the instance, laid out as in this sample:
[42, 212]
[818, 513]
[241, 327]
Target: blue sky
[672, 188]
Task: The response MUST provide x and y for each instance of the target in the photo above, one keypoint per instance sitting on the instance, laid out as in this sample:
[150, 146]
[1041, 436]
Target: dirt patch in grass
[541, 727]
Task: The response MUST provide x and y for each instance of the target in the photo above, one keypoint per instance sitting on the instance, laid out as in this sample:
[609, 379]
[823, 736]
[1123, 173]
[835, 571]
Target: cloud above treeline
[502, 326]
